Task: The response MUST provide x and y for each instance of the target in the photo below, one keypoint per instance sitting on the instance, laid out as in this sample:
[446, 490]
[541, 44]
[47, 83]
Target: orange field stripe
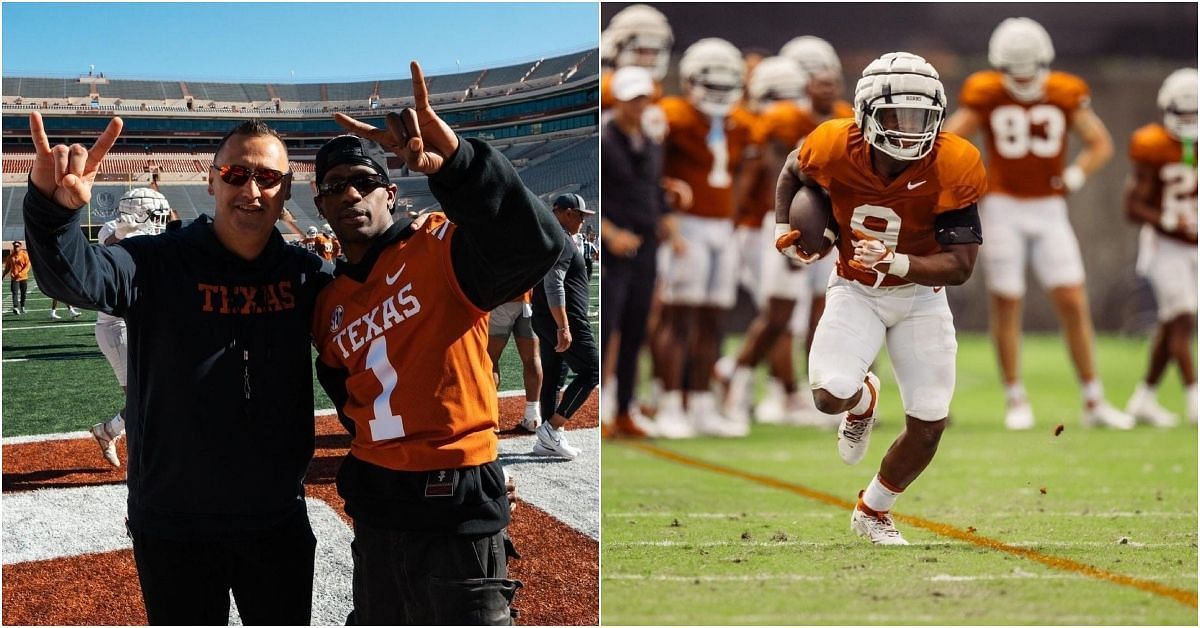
[1180, 595]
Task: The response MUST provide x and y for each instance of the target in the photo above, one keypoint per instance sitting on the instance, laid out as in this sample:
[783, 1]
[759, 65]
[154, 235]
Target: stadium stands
[554, 66]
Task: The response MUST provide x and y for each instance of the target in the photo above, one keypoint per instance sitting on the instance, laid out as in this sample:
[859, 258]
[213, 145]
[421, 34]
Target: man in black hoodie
[401, 337]
[219, 400]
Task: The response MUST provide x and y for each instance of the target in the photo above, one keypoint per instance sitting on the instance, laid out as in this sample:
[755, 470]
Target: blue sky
[286, 41]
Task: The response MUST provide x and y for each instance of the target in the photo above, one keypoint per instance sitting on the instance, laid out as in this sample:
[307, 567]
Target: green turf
[682, 545]
[56, 380]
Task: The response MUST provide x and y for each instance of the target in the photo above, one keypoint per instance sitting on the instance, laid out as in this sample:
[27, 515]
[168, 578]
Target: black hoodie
[220, 401]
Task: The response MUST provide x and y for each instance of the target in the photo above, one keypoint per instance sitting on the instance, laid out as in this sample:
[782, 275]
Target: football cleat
[1019, 416]
[1145, 409]
[703, 413]
[107, 442]
[74, 312]
[879, 528]
[1101, 414]
[673, 423]
[854, 432]
[630, 425]
[553, 442]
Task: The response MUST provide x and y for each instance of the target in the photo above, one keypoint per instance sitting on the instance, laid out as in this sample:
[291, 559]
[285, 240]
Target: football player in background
[638, 35]
[335, 246]
[17, 264]
[1162, 195]
[1026, 111]
[401, 338]
[515, 319]
[904, 197]
[776, 93]
[707, 134]
[141, 211]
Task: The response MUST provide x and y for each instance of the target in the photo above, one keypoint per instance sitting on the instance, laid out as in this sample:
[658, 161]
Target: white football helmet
[899, 104]
[312, 232]
[146, 208]
[712, 72]
[638, 35]
[776, 78]
[1022, 50]
[813, 54]
[326, 229]
[1177, 99]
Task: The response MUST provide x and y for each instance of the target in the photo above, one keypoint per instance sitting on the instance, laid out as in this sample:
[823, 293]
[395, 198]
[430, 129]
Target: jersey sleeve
[1144, 147]
[819, 149]
[974, 94]
[963, 177]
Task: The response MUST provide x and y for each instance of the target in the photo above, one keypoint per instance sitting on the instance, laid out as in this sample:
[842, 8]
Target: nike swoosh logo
[391, 279]
[913, 186]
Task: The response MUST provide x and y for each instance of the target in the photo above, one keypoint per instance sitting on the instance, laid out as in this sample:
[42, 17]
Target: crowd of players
[750, 130]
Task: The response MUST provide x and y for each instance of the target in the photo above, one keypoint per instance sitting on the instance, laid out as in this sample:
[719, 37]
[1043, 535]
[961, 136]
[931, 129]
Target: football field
[64, 507]
[1087, 527]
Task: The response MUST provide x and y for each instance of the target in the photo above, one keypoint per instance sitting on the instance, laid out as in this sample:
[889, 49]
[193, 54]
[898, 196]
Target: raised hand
[67, 173]
[416, 135]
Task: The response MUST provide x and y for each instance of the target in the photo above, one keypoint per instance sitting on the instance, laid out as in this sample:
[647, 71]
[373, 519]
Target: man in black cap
[401, 336]
[560, 318]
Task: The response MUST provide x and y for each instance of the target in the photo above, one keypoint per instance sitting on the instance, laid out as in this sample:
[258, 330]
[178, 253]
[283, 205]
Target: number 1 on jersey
[385, 425]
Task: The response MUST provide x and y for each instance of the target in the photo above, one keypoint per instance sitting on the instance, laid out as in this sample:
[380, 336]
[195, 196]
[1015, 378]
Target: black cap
[351, 149]
[572, 201]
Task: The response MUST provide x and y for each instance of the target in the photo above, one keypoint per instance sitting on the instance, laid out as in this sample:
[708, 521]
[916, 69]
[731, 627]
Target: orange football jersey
[1026, 142]
[901, 213]
[687, 155]
[420, 386]
[1153, 146]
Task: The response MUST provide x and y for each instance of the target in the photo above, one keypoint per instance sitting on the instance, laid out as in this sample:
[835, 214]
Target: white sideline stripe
[46, 325]
[569, 490]
[64, 522]
[838, 546]
[41, 438]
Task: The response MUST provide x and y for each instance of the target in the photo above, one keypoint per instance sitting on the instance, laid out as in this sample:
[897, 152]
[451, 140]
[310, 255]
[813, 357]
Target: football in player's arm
[904, 197]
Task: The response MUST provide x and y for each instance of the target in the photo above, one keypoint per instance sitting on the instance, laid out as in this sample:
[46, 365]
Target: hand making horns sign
[417, 135]
[66, 173]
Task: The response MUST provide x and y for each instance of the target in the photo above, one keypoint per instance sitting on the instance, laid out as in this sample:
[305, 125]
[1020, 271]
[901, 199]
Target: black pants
[188, 582]
[405, 578]
[20, 288]
[583, 358]
[628, 287]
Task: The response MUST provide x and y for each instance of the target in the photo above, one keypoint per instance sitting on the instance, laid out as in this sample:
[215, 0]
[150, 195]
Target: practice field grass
[1087, 527]
[56, 380]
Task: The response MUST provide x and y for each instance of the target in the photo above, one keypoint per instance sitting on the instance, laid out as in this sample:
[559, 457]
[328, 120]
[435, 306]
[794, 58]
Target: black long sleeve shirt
[219, 399]
[630, 183]
[505, 241]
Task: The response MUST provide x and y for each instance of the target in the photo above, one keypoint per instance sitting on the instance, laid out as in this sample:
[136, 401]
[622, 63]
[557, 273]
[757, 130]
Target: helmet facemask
[1177, 99]
[1026, 83]
[648, 50]
[146, 208]
[905, 131]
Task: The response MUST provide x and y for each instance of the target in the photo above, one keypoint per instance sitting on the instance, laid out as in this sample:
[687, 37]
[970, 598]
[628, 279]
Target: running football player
[904, 197]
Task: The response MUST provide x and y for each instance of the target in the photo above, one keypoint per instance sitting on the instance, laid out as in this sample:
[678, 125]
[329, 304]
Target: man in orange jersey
[1162, 196]
[904, 197]
[401, 336]
[1026, 111]
[17, 264]
[707, 134]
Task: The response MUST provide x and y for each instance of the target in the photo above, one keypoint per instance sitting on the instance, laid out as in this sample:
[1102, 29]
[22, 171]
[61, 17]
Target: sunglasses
[364, 185]
[266, 178]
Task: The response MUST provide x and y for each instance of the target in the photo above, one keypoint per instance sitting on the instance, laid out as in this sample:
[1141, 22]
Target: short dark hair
[251, 128]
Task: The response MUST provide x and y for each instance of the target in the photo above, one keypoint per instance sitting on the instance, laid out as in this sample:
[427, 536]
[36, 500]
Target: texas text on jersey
[901, 212]
[427, 320]
[1026, 141]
